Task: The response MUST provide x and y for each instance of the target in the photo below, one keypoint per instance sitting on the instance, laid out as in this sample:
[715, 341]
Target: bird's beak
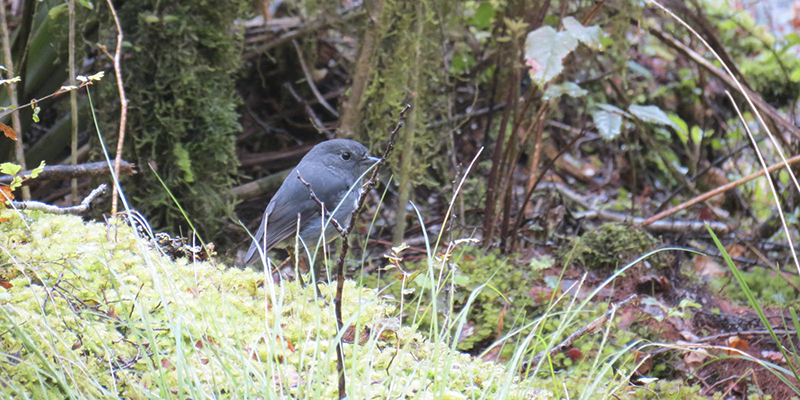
[372, 160]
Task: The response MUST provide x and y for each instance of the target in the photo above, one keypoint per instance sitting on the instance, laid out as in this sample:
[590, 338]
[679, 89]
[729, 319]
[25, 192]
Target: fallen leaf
[695, 358]
[773, 357]
[737, 343]
[707, 267]
[166, 364]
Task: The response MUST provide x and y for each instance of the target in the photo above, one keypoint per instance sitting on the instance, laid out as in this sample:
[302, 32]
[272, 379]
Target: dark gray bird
[332, 168]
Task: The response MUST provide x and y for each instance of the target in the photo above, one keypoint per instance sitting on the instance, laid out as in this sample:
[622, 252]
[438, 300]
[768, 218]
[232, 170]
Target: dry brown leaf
[737, 343]
[8, 131]
[695, 358]
[707, 267]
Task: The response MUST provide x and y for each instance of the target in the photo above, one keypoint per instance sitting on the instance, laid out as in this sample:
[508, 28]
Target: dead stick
[123, 101]
[721, 189]
[79, 209]
[344, 233]
[310, 80]
[593, 327]
[64, 172]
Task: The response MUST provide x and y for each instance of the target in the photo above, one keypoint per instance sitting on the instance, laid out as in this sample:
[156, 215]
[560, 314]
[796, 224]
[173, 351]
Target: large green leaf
[567, 88]
[608, 121]
[545, 49]
[653, 115]
[588, 35]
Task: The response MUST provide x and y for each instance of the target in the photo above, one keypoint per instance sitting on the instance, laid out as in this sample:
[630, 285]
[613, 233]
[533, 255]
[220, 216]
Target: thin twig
[321, 204]
[35, 102]
[344, 233]
[73, 99]
[310, 27]
[123, 103]
[79, 209]
[19, 151]
[721, 189]
[312, 116]
[310, 81]
[592, 327]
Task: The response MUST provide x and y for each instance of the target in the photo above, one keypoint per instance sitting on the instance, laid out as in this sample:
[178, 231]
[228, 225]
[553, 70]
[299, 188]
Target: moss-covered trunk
[182, 118]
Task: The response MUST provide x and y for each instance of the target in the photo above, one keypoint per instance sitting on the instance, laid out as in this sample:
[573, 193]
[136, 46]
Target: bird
[333, 169]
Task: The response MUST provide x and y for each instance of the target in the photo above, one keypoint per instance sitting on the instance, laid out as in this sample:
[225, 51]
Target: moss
[179, 75]
[765, 284]
[93, 312]
[609, 246]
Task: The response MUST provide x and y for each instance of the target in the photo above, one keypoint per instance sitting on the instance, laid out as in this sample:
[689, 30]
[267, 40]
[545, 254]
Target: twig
[309, 111]
[659, 226]
[73, 99]
[310, 27]
[758, 102]
[63, 172]
[521, 216]
[321, 203]
[19, 150]
[79, 209]
[721, 189]
[123, 103]
[748, 333]
[344, 233]
[593, 327]
[35, 102]
[310, 80]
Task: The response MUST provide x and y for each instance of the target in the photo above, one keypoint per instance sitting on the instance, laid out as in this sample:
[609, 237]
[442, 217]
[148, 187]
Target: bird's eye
[345, 156]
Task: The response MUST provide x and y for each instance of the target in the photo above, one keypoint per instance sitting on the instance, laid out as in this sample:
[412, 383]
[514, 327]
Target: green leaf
[9, 168]
[681, 128]
[608, 123]
[184, 162]
[36, 171]
[53, 13]
[483, 17]
[567, 88]
[697, 134]
[35, 115]
[636, 67]
[795, 77]
[86, 3]
[588, 35]
[545, 49]
[651, 114]
[792, 39]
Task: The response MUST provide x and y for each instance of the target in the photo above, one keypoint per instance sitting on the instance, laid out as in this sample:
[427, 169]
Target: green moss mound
[90, 311]
[609, 246]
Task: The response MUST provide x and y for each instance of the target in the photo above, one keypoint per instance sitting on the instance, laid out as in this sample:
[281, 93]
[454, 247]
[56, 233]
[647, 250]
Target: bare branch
[64, 172]
[123, 101]
[592, 327]
[79, 209]
[310, 80]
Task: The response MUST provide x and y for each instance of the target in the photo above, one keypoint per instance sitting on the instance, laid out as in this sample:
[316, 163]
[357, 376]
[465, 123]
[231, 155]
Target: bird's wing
[280, 218]
[258, 239]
